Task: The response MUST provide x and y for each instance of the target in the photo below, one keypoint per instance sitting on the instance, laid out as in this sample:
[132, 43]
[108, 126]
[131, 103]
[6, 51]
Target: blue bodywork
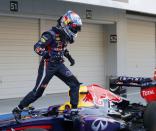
[90, 119]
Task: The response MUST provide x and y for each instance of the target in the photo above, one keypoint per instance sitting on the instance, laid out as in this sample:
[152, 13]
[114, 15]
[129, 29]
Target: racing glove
[46, 55]
[69, 57]
[42, 52]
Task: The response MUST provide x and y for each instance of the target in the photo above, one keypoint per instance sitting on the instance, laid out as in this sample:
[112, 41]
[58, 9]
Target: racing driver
[52, 47]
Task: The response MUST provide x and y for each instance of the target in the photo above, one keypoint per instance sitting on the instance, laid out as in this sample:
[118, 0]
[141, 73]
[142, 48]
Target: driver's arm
[69, 57]
[39, 47]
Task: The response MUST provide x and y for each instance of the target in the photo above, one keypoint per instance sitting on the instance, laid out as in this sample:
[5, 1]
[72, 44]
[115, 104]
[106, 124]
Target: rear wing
[132, 81]
[119, 84]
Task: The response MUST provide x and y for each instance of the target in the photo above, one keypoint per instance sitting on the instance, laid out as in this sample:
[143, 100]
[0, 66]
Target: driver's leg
[40, 73]
[40, 76]
[65, 75]
[35, 94]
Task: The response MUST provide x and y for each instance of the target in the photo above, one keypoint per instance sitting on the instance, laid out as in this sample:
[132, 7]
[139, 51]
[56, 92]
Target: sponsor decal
[43, 40]
[44, 37]
[99, 95]
[101, 124]
[88, 98]
[147, 93]
[68, 73]
[58, 38]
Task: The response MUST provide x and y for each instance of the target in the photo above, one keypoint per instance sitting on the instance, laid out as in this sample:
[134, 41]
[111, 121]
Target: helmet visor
[75, 28]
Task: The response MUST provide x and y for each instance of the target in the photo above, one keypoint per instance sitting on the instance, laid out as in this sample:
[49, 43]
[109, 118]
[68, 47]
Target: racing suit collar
[63, 35]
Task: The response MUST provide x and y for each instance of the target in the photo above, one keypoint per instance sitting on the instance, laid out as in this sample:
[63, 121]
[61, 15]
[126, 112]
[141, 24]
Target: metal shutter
[18, 62]
[140, 53]
[89, 54]
[140, 48]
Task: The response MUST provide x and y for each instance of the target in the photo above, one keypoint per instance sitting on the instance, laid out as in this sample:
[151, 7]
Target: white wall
[121, 45]
[52, 9]
[111, 50]
[110, 53]
[147, 6]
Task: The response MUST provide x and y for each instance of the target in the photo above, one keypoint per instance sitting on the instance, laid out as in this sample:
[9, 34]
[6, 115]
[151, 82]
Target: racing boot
[75, 117]
[17, 113]
[74, 112]
[72, 115]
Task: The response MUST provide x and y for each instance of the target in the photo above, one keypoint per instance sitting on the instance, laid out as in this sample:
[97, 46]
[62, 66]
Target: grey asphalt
[6, 105]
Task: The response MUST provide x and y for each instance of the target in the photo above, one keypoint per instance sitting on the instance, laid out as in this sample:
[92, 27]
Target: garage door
[140, 48]
[140, 53]
[18, 62]
[88, 52]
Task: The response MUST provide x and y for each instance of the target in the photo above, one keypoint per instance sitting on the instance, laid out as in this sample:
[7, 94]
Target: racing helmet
[71, 23]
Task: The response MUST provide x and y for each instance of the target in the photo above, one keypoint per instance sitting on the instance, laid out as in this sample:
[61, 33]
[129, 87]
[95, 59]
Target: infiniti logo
[99, 124]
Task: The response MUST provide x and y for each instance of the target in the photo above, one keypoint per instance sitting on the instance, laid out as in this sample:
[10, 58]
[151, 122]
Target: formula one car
[99, 110]
[144, 114]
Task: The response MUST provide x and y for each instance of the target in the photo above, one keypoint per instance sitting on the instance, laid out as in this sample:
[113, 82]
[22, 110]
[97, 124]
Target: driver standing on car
[52, 47]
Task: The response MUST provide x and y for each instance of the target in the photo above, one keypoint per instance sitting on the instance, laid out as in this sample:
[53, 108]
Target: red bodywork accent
[28, 127]
[97, 94]
[149, 94]
[48, 48]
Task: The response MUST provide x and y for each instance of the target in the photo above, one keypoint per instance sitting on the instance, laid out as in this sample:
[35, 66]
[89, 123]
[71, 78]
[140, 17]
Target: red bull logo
[98, 94]
[88, 98]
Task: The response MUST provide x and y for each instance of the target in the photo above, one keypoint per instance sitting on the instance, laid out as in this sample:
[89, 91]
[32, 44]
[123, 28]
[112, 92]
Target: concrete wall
[52, 9]
[121, 45]
[110, 53]
[111, 50]
[147, 6]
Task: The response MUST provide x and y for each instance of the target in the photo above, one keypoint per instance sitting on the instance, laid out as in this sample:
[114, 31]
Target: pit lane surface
[7, 105]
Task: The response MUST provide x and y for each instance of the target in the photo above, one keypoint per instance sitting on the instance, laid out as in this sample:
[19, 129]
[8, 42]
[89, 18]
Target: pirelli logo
[124, 1]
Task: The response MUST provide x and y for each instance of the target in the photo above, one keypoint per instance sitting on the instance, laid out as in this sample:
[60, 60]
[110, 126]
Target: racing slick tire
[150, 117]
[35, 129]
